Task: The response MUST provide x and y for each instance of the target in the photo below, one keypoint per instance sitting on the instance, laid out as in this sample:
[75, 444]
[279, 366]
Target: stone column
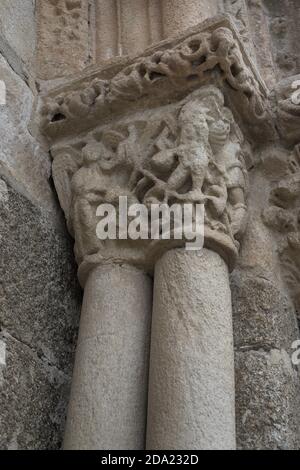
[181, 14]
[63, 38]
[107, 30]
[191, 386]
[135, 34]
[108, 402]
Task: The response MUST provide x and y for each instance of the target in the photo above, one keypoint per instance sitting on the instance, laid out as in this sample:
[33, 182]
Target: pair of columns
[154, 365]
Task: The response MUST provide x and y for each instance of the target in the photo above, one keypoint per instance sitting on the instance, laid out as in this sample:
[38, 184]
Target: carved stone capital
[187, 152]
[157, 130]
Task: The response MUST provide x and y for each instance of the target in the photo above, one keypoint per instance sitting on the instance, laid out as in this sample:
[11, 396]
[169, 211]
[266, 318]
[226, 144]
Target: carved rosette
[158, 131]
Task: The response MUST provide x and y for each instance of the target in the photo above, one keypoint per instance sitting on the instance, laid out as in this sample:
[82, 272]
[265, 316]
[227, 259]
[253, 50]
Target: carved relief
[283, 216]
[187, 152]
[209, 56]
[288, 100]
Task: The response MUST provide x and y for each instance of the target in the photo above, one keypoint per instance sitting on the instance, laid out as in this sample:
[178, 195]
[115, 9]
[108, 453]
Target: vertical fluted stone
[107, 30]
[108, 402]
[179, 15]
[191, 387]
[135, 34]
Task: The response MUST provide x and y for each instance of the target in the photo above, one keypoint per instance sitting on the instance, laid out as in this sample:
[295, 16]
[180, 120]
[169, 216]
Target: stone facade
[169, 102]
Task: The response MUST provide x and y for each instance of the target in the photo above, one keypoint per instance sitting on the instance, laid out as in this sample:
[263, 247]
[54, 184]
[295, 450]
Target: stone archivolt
[171, 70]
[187, 152]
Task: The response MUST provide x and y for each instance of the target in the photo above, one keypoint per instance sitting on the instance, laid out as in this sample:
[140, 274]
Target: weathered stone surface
[262, 315]
[284, 30]
[179, 15]
[268, 401]
[34, 394]
[191, 383]
[39, 309]
[20, 154]
[17, 34]
[63, 37]
[142, 158]
[108, 404]
[40, 297]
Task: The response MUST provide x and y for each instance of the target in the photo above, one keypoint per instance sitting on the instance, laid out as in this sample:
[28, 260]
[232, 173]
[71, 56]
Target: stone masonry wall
[39, 295]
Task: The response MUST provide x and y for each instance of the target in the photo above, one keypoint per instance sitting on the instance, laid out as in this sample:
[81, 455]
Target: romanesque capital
[187, 152]
[157, 130]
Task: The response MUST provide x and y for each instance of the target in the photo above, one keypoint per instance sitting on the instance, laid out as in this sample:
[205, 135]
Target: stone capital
[171, 126]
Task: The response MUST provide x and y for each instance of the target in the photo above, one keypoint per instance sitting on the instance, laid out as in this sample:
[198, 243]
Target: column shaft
[107, 29]
[179, 15]
[108, 402]
[135, 34]
[191, 386]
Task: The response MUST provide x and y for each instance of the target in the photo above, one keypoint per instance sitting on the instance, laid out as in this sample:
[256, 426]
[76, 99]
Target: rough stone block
[39, 294]
[34, 396]
[17, 33]
[20, 153]
[263, 317]
[268, 393]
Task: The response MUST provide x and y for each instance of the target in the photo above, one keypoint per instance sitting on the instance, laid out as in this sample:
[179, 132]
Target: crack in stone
[4, 334]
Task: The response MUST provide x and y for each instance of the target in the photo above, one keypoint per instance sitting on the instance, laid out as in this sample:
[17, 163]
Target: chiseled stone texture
[108, 403]
[63, 37]
[20, 153]
[17, 34]
[263, 316]
[284, 30]
[268, 404]
[191, 385]
[267, 384]
[39, 312]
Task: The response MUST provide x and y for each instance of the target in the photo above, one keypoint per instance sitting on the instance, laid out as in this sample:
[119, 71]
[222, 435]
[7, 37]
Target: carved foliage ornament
[187, 152]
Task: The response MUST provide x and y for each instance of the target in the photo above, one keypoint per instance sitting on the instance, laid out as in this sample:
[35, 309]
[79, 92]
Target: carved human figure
[204, 166]
[95, 182]
[227, 180]
[187, 162]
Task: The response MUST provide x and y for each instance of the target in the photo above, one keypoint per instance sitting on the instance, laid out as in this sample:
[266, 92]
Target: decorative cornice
[211, 53]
